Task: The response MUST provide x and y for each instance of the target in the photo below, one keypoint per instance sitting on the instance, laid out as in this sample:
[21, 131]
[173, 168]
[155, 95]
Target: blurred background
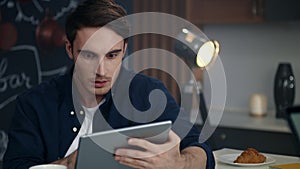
[255, 36]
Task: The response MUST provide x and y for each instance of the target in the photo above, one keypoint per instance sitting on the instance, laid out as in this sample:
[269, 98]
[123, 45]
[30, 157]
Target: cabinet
[264, 141]
[268, 134]
[241, 11]
[279, 10]
[224, 11]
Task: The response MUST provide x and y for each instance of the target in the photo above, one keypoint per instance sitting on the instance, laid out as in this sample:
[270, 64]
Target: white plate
[229, 158]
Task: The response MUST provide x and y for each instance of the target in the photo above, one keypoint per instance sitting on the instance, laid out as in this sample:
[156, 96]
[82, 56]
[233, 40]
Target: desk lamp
[197, 52]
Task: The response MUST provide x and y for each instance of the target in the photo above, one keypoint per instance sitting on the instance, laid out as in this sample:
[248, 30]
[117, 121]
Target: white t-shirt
[86, 127]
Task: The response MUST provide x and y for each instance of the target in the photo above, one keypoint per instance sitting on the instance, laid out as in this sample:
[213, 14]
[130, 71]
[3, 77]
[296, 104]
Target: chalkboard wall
[24, 61]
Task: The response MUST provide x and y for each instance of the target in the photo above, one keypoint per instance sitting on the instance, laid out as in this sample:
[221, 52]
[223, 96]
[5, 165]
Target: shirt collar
[90, 111]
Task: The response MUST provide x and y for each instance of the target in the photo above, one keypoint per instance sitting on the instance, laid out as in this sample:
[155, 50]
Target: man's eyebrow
[87, 51]
[115, 51]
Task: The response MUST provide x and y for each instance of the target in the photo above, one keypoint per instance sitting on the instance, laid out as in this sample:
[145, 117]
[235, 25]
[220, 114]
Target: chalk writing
[72, 4]
[20, 16]
[12, 81]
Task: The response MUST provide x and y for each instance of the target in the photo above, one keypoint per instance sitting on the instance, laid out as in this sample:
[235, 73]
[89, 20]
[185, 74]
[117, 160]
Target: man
[51, 117]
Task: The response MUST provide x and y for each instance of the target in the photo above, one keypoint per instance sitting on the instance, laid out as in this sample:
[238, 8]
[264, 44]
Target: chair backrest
[293, 118]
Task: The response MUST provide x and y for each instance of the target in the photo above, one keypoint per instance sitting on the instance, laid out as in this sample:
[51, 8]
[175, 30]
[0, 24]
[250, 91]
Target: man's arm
[68, 161]
[189, 158]
[25, 146]
[162, 156]
[194, 157]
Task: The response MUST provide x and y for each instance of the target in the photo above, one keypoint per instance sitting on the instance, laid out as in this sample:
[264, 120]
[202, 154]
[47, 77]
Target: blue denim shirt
[43, 126]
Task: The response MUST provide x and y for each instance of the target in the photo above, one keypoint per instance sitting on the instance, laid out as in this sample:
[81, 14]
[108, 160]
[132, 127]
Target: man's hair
[97, 13]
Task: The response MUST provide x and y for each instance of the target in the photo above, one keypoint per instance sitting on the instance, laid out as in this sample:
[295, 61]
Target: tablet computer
[96, 150]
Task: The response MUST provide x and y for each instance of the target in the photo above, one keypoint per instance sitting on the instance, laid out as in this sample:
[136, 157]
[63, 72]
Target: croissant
[250, 155]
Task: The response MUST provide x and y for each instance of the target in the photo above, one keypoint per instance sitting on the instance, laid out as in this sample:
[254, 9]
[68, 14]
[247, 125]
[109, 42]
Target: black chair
[293, 118]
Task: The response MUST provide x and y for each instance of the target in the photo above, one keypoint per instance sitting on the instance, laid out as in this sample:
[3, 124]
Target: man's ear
[69, 49]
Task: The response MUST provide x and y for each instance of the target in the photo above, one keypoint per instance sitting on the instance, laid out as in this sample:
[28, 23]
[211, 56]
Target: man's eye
[88, 55]
[112, 55]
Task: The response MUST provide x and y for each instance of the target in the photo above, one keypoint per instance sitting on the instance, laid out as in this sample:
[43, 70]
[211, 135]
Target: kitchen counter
[239, 130]
[242, 120]
[245, 121]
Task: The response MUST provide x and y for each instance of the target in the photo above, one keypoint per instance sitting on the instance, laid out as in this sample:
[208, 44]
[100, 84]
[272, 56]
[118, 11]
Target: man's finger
[132, 153]
[132, 162]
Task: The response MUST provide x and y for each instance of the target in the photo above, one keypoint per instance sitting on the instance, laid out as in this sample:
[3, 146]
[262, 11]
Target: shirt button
[81, 112]
[72, 112]
[74, 129]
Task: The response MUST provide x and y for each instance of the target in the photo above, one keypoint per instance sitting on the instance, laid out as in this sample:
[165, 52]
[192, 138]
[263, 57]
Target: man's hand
[68, 161]
[161, 156]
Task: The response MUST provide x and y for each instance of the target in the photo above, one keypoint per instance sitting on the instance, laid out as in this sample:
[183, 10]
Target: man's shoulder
[143, 79]
[47, 88]
[137, 79]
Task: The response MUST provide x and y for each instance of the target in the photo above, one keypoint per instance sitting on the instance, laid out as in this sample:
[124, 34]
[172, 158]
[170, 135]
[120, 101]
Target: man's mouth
[100, 83]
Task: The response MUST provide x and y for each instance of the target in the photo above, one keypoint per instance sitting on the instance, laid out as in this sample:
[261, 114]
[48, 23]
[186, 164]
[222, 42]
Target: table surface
[280, 159]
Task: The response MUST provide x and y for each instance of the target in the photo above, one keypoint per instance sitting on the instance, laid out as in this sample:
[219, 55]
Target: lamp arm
[202, 107]
[202, 104]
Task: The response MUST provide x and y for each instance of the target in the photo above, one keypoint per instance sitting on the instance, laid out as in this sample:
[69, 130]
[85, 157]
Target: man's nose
[101, 68]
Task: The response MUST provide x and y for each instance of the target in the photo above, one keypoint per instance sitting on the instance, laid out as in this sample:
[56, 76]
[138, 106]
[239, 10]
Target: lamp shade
[195, 50]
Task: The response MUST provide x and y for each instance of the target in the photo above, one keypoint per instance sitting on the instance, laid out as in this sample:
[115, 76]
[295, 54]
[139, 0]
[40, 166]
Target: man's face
[97, 54]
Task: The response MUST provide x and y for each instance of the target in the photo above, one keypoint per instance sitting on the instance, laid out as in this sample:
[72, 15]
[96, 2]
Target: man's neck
[91, 101]
[87, 99]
